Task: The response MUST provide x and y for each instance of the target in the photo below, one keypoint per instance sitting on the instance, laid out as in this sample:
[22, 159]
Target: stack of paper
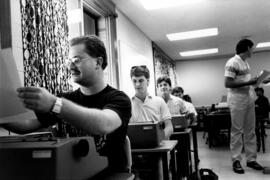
[11, 108]
[262, 76]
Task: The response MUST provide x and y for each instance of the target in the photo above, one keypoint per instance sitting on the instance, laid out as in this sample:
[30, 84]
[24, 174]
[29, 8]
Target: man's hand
[253, 81]
[36, 98]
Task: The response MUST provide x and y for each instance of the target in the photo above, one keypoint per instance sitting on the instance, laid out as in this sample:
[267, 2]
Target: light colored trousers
[243, 131]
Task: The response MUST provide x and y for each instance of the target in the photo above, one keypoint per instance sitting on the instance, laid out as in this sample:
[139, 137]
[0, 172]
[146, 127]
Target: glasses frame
[75, 60]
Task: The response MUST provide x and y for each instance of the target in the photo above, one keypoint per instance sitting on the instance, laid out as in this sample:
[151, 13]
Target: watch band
[57, 106]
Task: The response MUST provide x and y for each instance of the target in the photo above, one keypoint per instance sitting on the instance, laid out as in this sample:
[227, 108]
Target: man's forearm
[237, 84]
[168, 130]
[23, 127]
[93, 121]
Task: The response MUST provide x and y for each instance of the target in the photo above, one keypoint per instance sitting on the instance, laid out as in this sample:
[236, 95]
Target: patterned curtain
[164, 66]
[45, 44]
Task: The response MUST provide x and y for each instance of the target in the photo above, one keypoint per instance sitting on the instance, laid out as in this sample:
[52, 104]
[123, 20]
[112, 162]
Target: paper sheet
[262, 76]
[267, 84]
[11, 108]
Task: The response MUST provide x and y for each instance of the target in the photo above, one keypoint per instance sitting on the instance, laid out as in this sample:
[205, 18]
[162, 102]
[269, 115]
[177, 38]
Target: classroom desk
[114, 176]
[184, 160]
[161, 151]
[216, 121]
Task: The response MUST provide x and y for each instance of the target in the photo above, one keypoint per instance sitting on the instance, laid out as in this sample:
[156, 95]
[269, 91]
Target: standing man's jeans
[243, 123]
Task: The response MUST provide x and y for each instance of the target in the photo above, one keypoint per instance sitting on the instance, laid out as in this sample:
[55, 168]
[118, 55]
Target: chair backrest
[127, 147]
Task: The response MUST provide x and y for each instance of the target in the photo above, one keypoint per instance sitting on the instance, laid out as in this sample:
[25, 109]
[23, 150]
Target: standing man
[95, 108]
[241, 103]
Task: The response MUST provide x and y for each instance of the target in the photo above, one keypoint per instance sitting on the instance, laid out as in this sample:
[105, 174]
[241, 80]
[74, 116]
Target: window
[100, 19]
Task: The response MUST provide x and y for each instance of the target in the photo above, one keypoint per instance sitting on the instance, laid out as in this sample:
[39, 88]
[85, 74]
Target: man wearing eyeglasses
[95, 108]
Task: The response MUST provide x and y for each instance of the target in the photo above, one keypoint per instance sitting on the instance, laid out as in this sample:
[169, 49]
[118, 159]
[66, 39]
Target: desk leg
[165, 166]
[174, 164]
[195, 148]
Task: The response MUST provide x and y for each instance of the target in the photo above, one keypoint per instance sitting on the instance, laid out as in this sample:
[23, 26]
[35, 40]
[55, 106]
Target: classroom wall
[204, 79]
[134, 48]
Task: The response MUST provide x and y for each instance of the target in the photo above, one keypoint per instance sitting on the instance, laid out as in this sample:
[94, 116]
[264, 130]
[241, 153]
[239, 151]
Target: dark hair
[243, 45]
[259, 89]
[93, 47]
[178, 89]
[187, 98]
[164, 78]
[140, 71]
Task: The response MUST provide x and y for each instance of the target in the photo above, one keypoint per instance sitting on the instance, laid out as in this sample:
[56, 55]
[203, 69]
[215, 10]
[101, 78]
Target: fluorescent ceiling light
[193, 34]
[158, 4]
[199, 52]
[263, 44]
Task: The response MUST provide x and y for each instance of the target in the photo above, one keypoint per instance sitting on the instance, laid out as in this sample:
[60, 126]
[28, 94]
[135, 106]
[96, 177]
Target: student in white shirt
[175, 104]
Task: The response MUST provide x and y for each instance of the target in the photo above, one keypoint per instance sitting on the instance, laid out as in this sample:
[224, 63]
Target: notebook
[179, 123]
[145, 135]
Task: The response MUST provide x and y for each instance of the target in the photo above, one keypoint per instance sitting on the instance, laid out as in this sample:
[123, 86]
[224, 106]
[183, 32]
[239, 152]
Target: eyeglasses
[74, 60]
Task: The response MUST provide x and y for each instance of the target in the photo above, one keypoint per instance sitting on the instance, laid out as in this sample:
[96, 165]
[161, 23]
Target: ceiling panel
[234, 19]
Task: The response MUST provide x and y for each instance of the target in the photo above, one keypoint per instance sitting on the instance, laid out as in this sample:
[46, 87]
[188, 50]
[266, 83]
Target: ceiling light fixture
[158, 4]
[199, 52]
[263, 44]
[193, 34]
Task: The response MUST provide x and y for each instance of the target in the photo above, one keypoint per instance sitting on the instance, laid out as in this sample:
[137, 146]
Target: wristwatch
[57, 106]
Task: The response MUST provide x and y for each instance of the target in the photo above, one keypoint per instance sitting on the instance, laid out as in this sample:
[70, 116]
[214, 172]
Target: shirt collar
[147, 96]
[238, 57]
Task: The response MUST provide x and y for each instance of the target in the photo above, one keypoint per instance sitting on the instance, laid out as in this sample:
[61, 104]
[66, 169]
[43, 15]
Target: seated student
[94, 109]
[188, 102]
[178, 91]
[145, 107]
[148, 108]
[262, 106]
[175, 104]
[190, 108]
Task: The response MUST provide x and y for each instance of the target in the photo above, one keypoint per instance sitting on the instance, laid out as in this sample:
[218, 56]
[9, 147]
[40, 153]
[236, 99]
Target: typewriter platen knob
[81, 149]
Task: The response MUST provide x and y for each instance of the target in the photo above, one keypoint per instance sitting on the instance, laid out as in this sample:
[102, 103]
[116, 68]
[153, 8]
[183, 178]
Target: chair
[125, 175]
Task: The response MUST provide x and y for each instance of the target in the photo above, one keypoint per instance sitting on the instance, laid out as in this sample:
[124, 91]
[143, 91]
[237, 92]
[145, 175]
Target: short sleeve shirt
[239, 69]
[190, 108]
[176, 106]
[152, 109]
[110, 145]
